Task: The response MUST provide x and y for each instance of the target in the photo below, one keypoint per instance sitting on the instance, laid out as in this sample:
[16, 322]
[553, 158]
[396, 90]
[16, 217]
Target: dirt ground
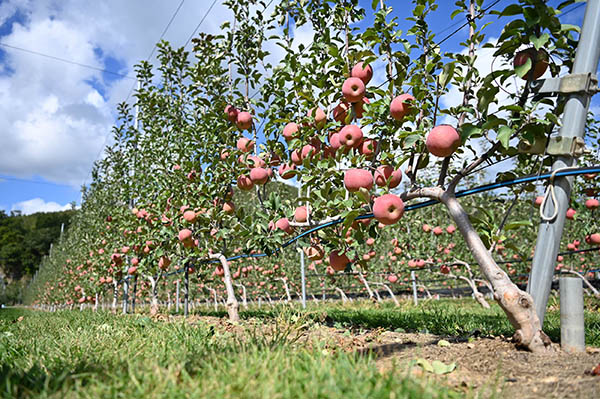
[487, 367]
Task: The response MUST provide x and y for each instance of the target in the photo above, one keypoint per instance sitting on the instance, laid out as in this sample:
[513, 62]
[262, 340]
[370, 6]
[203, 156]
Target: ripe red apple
[244, 120]
[189, 216]
[354, 179]
[364, 73]
[340, 112]
[383, 174]
[539, 62]
[228, 207]
[444, 269]
[301, 215]
[132, 270]
[185, 235]
[350, 136]
[401, 106]
[353, 90]
[589, 176]
[442, 141]
[370, 241]
[308, 151]
[451, 229]
[571, 213]
[164, 262]
[245, 144]
[254, 162]
[290, 131]
[244, 183]
[259, 175]
[338, 262]
[392, 278]
[388, 209]
[595, 238]
[231, 113]
[592, 203]
[367, 148]
[285, 170]
[426, 228]
[437, 230]
[538, 201]
[284, 224]
[318, 116]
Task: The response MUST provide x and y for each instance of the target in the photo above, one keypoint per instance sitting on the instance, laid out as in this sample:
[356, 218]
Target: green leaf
[504, 134]
[441, 368]
[516, 224]
[424, 363]
[443, 343]
[447, 74]
[467, 130]
[522, 70]
[539, 42]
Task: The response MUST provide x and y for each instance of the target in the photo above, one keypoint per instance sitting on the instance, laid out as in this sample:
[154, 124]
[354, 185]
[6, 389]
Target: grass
[447, 317]
[72, 354]
[98, 355]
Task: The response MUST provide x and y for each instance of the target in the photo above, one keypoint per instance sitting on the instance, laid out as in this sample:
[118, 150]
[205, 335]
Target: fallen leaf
[443, 343]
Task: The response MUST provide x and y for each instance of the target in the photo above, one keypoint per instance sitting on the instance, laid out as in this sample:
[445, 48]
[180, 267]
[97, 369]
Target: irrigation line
[464, 193]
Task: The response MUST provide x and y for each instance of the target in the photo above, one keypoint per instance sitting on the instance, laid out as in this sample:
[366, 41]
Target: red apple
[132, 270]
[592, 203]
[231, 113]
[388, 209]
[383, 174]
[595, 238]
[392, 278]
[451, 229]
[189, 216]
[259, 175]
[338, 262]
[364, 73]
[285, 170]
[353, 90]
[244, 183]
[228, 207]
[290, 131]
[437, 230]
[367, 148]
[354, 179]
[185, 235]
[401, 106]
[245, 144]
[244, 120]
[538, 201]
[351, 136]
[571, 213]
[301, 215]
[426, 228]
[539, 62]
[284, 224]
[442, 141]
[340, 112]
[318, 116]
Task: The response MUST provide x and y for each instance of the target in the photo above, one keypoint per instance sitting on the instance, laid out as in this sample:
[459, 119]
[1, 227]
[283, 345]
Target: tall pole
[414, 287]
[125, 291]
[303, 275]
[573, 126]
[177, 298]
[134, 294]
[186, 291]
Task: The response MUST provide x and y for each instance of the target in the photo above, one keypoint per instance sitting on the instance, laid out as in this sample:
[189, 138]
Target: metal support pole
[573, 125]
[303, 276]
[125, 291]
[177, 298]
[134, 294]
[572, 332]
[186, 291]
[414, 287]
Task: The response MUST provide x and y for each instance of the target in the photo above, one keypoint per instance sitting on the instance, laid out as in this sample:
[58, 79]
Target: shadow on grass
[17, 383]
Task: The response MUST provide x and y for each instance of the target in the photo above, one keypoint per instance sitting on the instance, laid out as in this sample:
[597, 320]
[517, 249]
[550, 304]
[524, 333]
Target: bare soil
[485, 367]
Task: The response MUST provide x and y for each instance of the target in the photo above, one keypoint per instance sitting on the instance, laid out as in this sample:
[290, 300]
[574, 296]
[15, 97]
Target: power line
[200, 23]
[3, 178]
[66, 61]
[134, 83]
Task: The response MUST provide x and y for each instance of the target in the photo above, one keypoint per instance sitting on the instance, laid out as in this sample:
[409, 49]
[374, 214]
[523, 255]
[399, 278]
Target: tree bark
[153, 296]
[517, 304]
[232, 303]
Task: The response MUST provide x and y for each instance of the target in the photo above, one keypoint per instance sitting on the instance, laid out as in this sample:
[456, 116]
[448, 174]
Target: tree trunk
[342, 294]
[232, 303]
[115, 296]
[153, 295]
[517, 304]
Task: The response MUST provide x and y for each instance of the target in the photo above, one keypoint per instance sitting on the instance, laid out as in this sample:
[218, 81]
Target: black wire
[66, 61]
[200, 23]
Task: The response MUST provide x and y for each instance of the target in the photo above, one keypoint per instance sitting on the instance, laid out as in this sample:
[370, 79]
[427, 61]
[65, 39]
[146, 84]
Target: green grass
[72, 354]
[98, 355]
[448, 317]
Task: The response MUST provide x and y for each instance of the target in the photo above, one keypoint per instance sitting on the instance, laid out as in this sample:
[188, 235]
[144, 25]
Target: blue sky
[57, 115]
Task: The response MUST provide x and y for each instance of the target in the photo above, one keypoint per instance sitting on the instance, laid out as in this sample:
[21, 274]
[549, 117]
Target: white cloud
[38, 205]
[56, 116]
